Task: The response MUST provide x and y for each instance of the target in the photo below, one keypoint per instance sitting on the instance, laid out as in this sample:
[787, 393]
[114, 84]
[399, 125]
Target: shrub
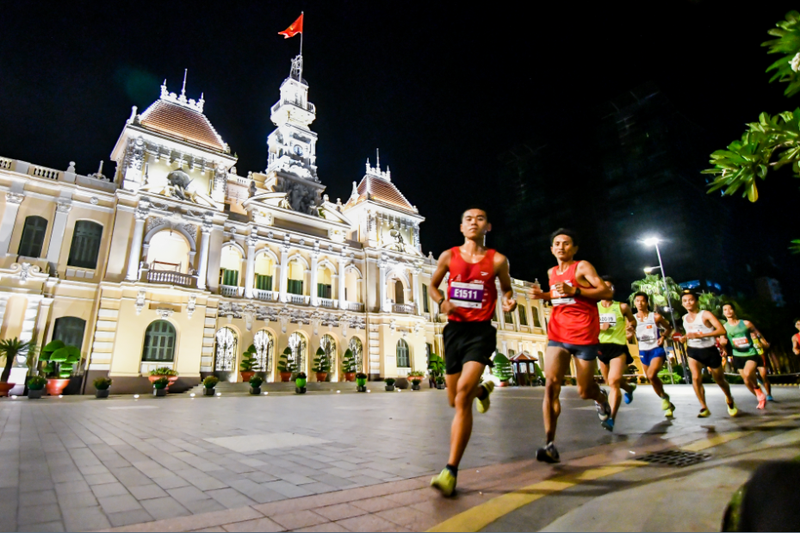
[256, 381]
[284, 363]
[37, 382]
[301, 375]
[361, 375]
[502, 369]
[348, 362]
[321, 361]
[163, 371]
[249, 360]
[389, 381]
[102, 383]
[210, 382]
[60, 359]
[161, 383]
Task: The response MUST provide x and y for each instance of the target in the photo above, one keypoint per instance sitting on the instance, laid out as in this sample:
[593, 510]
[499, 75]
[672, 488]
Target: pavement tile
[84, 518]
[216, 529]
[161, 508]
[412, 496]
[203, 506]
[119, 504]
[64, 476]
[146, 492]
[369, 522]
[124, 518]
[37, 497]
[46, 526]
[131, 477]
[39, 514]
[295, 479]
[230, 498]
[264, 495]
[109, 489]
[259, 524]
[287, 489]
[373, 505]
[100, 479]
[170, 481]
[364, 480]
[298, 519]
[77, 500]
[42, 483]
[410, 518]
[189, 523]
[328, 526]
[319, 488]
[90, 470]
[71, 487]
[339, 511]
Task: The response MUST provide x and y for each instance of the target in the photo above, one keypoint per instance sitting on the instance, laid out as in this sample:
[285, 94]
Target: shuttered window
[159, 342]
[30, 245]
[85, 244]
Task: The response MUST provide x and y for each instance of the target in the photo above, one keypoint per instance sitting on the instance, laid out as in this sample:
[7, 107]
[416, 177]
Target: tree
[60, 359]
[653, 286]
[11, 349]
[773, 141]
[502, 369]
[708, 301]
[349, 362]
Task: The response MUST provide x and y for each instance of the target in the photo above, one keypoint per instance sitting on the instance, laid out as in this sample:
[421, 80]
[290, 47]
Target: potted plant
[502, 369]
[36, 386]
[208, 385]
[59, 360]
[11, 349]
[300, 383]
[160, 386]
[249, 365]
[101, 386]
[349, 365]
[286, 366]
[321, 364]
[415, 377]
[436, 368]
[163, 372]
[440, 382]
[389, 383]
[361, 382]
[255, 384]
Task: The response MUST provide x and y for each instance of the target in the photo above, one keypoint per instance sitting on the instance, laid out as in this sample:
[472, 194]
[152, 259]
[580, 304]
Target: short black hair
[608, 279]
[564, 231]
[728, 303]
[643, 295]
[796, 320]
[475, 206]
[690, 291]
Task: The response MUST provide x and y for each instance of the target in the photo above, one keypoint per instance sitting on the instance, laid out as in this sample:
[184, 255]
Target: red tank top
[575, 319]
[471, 288]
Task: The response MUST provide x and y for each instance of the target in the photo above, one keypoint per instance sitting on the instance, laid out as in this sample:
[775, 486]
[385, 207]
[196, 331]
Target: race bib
[466, 294]
[556, 298]
[608, 318]
[646, 332]
[741, 342]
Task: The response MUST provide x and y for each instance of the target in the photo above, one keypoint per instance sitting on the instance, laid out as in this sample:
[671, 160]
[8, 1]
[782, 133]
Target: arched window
[230, 262]
[265, 271]
[324, 283]
[358, 352]
[168, 251]
[352, 287]
[227, 341]
[30, 245]
[523, 315]
[159, 342]
[295, 278]
[508, 317]
[265, 347]
[328, 344]
[424, 296]
[403, 361]
[536, 321]
[299, 345]
[85, 244]
[69, 330]
[399, 297]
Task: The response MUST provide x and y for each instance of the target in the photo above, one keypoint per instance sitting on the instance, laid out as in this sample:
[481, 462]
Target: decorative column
[13, 201]
[312, 283]
[250, 275]
[517, 323]
[416, 283]
[57, 235]
[284, 272]
[342, 276]
[205, 237]
[136, 243]
[382, 288]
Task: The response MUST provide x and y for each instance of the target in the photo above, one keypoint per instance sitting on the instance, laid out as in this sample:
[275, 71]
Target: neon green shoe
[667, 406]
[732, 409]
[483, 405]
[704, 413]
[445, 482]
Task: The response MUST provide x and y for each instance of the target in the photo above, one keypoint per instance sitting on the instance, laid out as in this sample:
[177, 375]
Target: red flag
[294, 29]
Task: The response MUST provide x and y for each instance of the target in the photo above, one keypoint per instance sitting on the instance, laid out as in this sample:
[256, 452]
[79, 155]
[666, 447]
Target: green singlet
[739, 337]
[612, 315]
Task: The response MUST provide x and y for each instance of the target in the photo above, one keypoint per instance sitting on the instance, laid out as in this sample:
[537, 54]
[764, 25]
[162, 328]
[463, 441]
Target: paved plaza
[348, 462]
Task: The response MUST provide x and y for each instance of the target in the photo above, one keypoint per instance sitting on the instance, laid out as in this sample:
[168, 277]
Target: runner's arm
[630, 320]
[598, 291]
[537, 294]
[754, 329]
[662, 322]
[509, 303]
[442, 268]
[795, 345]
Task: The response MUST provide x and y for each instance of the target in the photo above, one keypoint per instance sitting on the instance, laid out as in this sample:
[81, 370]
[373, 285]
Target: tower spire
[378, 158]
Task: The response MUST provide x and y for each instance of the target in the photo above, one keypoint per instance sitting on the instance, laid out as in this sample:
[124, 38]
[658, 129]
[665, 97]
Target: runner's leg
[696, 367]
[557, 362]
[652, 371]
[587, 386]
[719, 376]
[615, 380]
[748, 374]
[762, 370]
[465, 391]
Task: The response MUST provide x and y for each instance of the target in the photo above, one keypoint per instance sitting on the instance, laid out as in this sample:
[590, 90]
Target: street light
[653, 241]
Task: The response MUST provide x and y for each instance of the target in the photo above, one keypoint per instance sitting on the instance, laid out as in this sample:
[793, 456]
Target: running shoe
[770, 398]
[603, 409]
[704, 413]
[483, 405]
[668, 407]
[445, 482]
[548, 454]
[732, 409]
[608, 424]
[628, 396]
[762, 399]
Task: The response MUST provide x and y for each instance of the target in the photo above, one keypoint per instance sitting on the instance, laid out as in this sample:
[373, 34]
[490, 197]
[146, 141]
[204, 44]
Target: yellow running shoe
[704, 413]
[668, 407]
[733, 410]
[445, 482]
[483, 405]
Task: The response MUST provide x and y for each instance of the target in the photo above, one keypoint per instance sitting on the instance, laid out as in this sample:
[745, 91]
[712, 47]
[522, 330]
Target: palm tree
[10, 349]
[653, 286]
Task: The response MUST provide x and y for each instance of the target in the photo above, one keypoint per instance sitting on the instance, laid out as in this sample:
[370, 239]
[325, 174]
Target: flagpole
[301, 34]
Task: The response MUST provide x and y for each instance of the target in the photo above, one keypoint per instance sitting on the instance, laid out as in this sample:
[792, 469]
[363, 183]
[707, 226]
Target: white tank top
[698, 326]
[647, 332]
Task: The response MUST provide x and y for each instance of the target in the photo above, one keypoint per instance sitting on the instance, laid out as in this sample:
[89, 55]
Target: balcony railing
[405, 309]
[173, 278]
[297, 299]
[354, 306]
[231, 291]
[265, 296]
[327, 302]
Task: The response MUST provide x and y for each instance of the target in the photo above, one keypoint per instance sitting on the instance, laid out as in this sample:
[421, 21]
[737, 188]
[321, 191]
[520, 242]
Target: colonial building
[177, 260]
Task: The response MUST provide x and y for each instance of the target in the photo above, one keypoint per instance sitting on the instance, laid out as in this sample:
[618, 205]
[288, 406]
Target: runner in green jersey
[746, 359]
[617, 325]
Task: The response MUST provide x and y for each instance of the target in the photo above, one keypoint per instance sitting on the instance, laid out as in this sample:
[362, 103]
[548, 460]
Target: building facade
[177, 260]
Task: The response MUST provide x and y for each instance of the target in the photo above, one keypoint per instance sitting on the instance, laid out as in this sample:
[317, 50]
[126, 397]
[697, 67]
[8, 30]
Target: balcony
[404, 309]
[327, 303]
[231, 291]
[297, 299]
[354, 306]
[265, 296]
[171, 277]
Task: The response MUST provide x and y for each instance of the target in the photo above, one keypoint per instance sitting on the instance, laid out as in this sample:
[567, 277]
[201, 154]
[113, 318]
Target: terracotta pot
[286, 376]
[56, 386]
[322, 376]
[247, 375]
[172, 379]
[349, 376]
[504, 383]
[5, 387]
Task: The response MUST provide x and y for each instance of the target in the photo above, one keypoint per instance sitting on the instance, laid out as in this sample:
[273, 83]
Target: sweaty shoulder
[499, 259]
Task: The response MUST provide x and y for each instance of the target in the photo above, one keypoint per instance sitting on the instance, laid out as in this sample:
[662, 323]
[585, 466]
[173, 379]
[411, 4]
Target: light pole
[653, 241]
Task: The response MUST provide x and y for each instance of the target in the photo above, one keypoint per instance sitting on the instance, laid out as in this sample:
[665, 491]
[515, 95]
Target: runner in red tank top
[469, 337]
[573, 330]
[796, 338]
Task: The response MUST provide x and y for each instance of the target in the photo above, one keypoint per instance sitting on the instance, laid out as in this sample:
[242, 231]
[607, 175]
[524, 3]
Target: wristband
[578, 291]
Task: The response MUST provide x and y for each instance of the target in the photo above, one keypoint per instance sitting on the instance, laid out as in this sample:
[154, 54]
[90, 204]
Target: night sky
[442, 91]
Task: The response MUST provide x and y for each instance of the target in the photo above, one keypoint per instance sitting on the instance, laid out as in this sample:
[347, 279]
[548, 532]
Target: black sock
[482, 393]
[453, 470]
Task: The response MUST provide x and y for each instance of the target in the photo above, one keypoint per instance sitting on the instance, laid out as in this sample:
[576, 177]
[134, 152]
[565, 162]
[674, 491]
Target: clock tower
[292, 155]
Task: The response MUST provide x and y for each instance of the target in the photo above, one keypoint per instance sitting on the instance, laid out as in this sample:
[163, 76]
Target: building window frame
[33, 233]
[84, 250]
[160, 339]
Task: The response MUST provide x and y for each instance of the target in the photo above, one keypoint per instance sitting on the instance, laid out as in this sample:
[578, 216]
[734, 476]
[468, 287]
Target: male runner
[745, 357]
[573, 330]
[616, 327]
[651, 346]
[796, 338]
[701, 328]
[469, 337]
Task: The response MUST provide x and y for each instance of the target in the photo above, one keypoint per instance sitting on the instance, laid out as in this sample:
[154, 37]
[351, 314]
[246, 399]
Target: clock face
[298, 149]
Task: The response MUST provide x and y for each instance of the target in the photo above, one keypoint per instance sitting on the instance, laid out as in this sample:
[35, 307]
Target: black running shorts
[709, 357]
[468, 341]
[740, 360]
[609, 351]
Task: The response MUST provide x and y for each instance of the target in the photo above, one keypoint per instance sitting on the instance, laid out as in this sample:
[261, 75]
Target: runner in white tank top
[651, 351]
[702, 329]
